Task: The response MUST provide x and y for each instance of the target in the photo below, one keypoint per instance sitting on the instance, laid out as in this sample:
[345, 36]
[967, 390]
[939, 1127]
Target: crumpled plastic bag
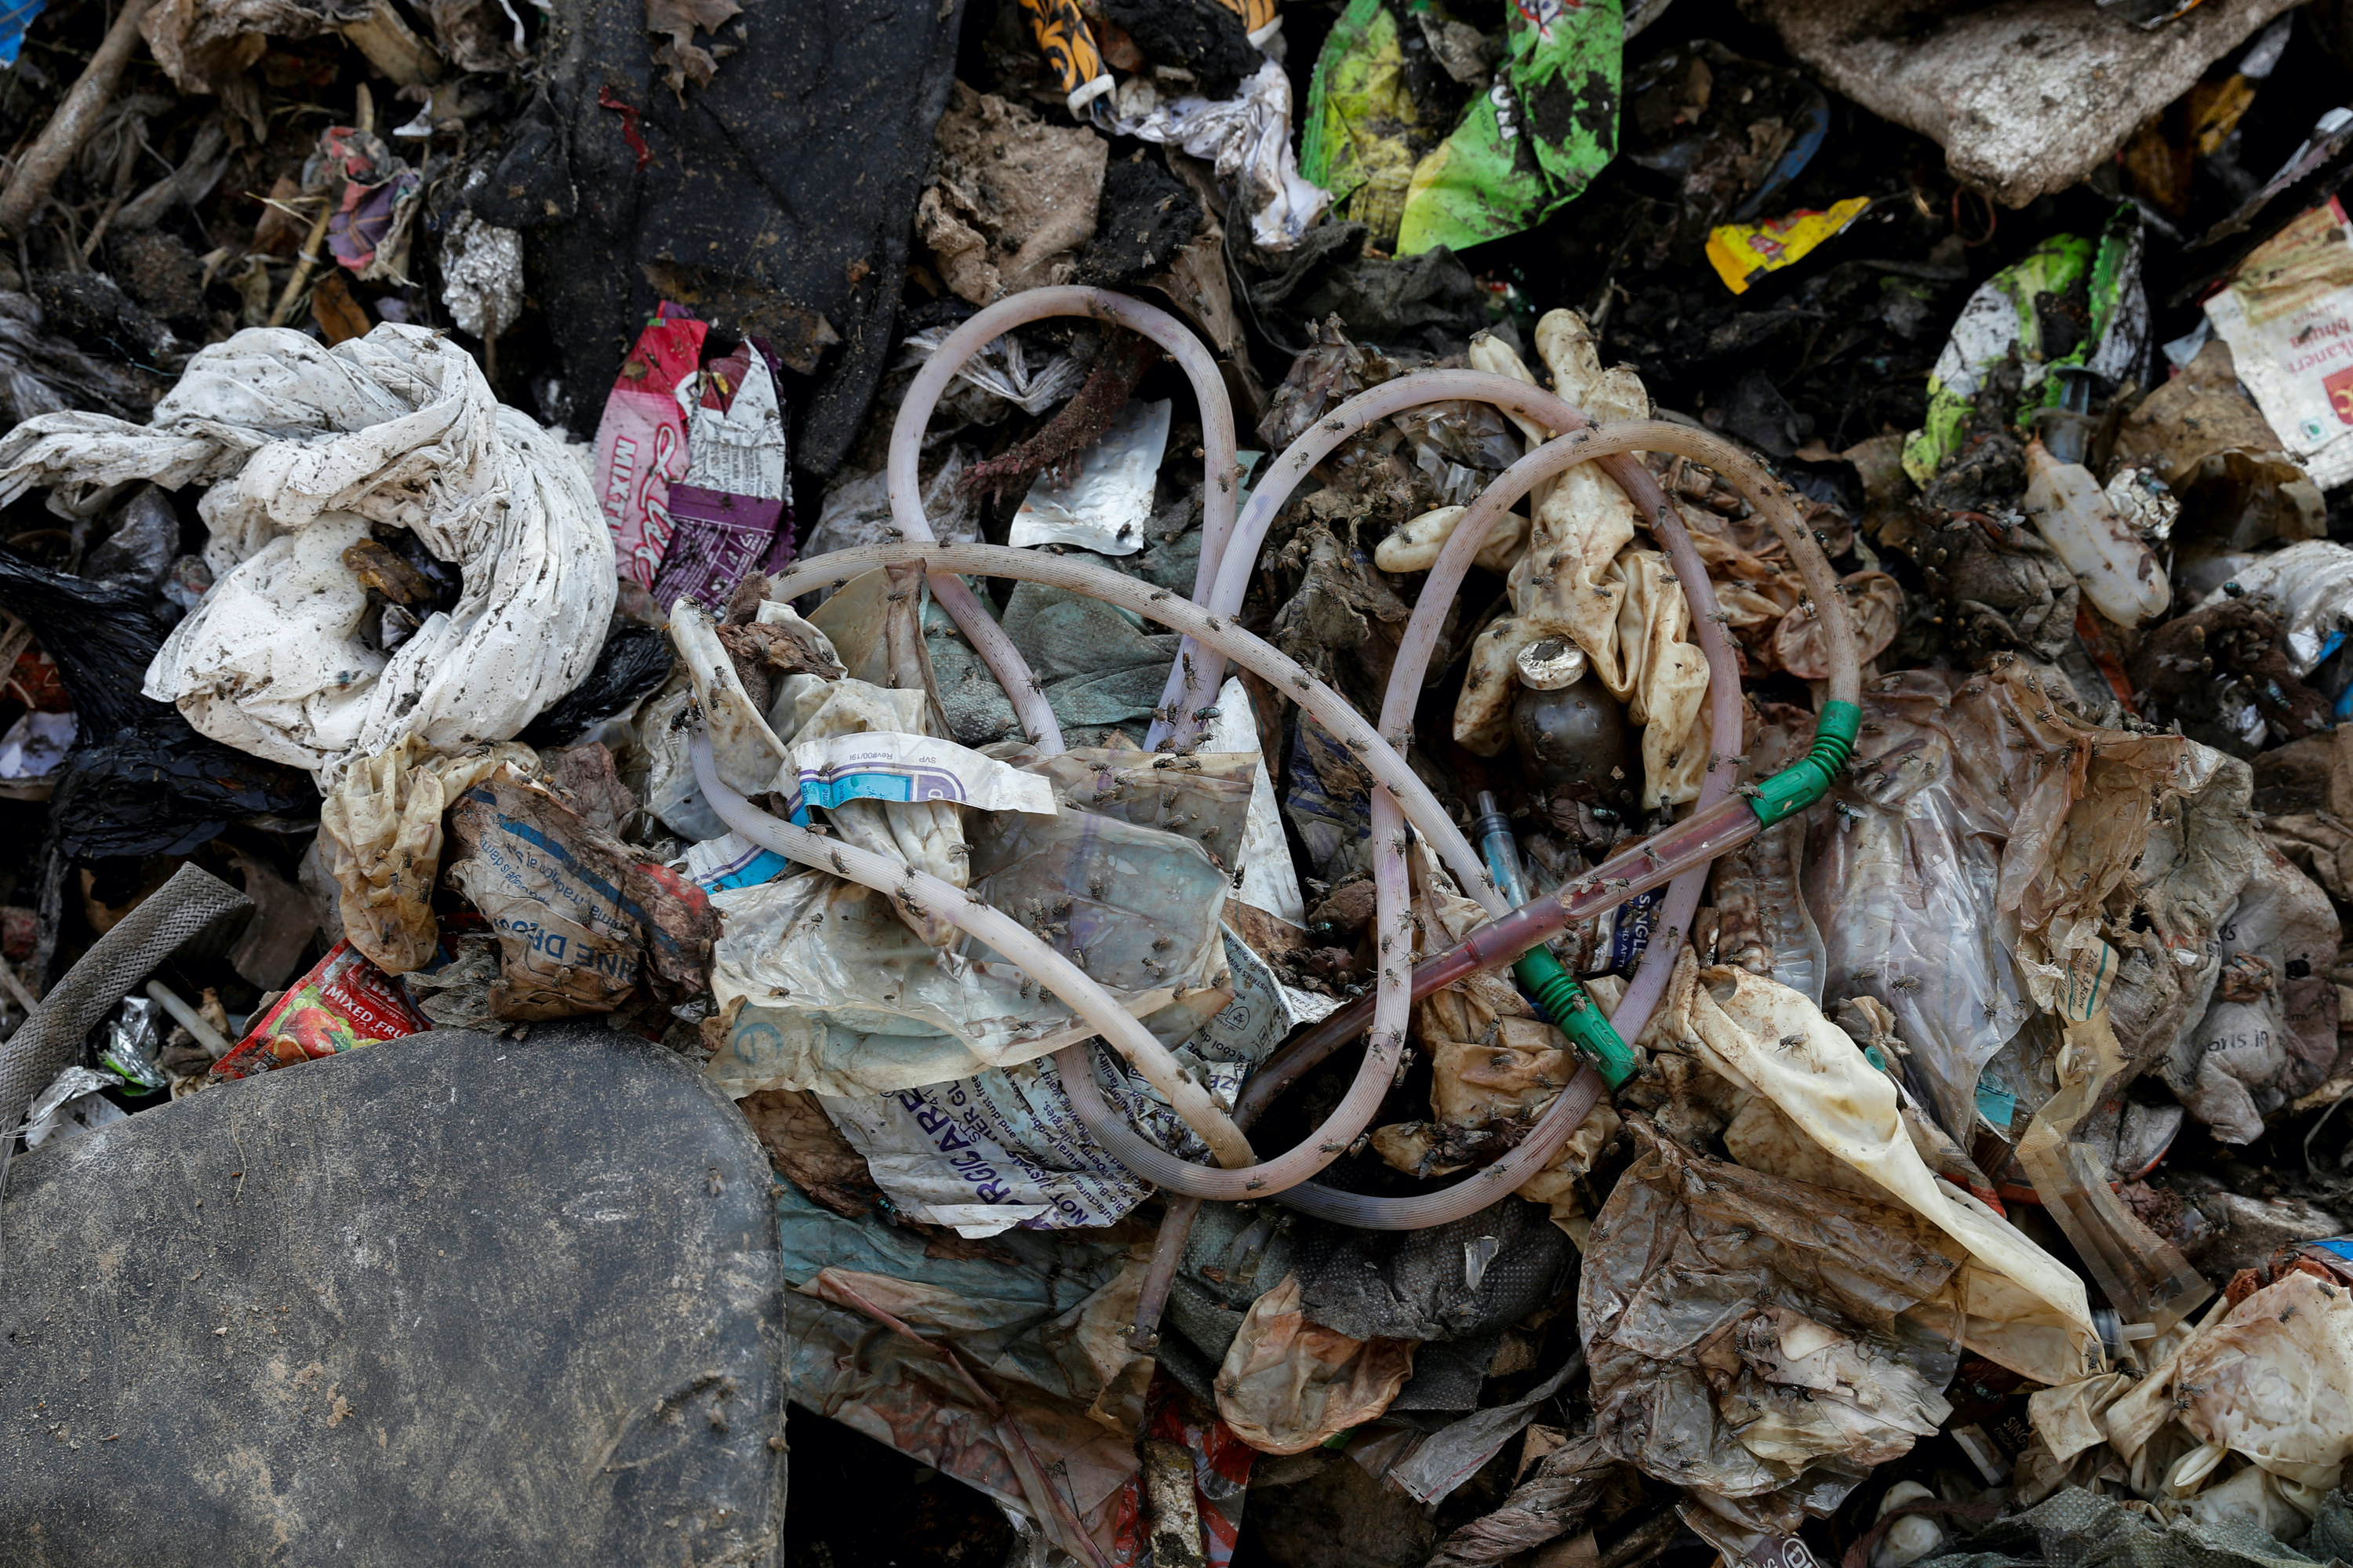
[929, 836]
[1579, 578]
[138, 781]
[1986, 849]
[305, 449]
[380, 837]
[1551, 1499]
[1289, 1385]
[41, 373]
[2019, 1305]
[841, 996]
[584, 926]
[2270, 1032]
[2274, 1381]
[1003, 1148]
[1742, 1328]
[2269, 1380]
[2313, 583]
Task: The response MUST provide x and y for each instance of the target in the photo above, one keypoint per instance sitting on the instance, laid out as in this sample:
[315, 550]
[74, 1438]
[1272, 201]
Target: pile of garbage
[1565, 782]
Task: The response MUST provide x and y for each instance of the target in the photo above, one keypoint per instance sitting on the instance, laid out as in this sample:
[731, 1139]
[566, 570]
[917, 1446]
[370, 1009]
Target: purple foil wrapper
[716, 539]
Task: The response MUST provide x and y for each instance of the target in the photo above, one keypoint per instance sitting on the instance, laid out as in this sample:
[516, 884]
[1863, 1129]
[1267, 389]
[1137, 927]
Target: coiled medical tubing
[1677, 857]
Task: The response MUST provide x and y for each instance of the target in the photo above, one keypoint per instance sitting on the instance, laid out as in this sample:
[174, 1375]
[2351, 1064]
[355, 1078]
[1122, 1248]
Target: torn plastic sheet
[1435, 1464]
[904, 815]
[74, 1102]
[1745, 1332]
[307, 450]
[1101, 499]
[1002, 369]
[2288, 315]
[1042, 1314]
[1946, 837]
[1270, 882]
[2272, 1380]
[1003, 1148]
[1288, 1383]
[1247, 138]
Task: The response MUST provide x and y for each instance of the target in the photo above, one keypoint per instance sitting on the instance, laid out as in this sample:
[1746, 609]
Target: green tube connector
[1809, 778]
[1572, 1013]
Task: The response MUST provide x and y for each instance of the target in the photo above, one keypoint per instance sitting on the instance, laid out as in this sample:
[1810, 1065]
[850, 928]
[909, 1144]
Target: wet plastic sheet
[841, 997]
[1004, 1148]
[1974, 815]
[138, 781]
[380, 838]
[1042, 1315]
[2023, 1307]
[1744, 1329]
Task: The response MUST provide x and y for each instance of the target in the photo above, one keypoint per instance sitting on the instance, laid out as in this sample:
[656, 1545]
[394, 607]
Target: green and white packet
[1546, 126]
[2002, 314]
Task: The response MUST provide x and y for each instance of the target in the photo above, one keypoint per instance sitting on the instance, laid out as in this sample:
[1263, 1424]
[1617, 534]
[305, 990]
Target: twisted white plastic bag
[304, 446]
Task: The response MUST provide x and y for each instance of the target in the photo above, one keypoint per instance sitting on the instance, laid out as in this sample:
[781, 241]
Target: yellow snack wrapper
[1744, 252]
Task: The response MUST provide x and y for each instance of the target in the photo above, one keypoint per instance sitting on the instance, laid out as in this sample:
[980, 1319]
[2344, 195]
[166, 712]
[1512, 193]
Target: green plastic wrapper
[2069, 301]
[1528, 144]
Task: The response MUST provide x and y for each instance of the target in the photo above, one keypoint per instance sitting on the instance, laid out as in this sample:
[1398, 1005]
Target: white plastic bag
[305, 446]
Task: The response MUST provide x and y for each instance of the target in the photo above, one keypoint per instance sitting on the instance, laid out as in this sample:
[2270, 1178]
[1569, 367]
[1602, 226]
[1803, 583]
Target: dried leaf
[679, 58]
[339, 315]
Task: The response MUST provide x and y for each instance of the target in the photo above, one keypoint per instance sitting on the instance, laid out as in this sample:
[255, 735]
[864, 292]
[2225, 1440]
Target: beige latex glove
[1580, 580]
[1665, 677]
